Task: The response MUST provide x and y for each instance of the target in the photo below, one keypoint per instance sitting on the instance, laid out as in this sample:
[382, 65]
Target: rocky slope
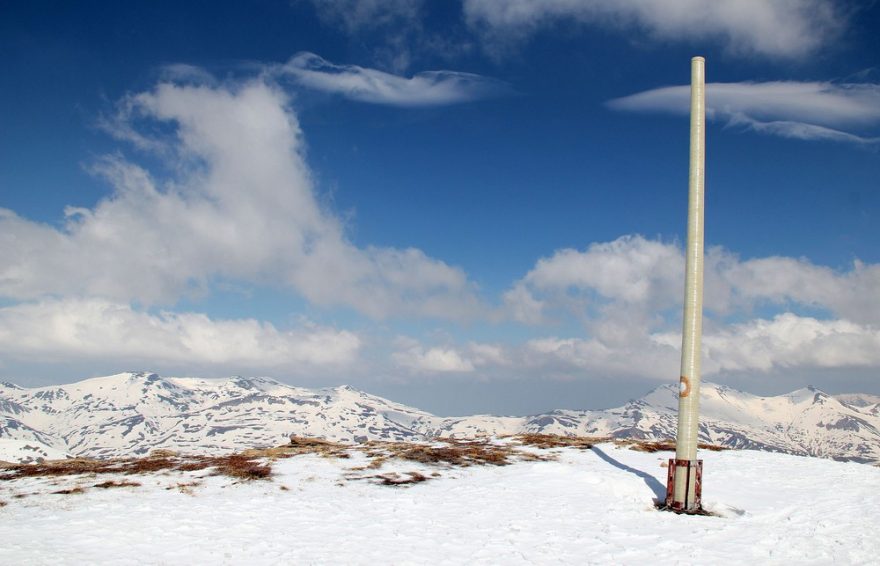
[134, 413]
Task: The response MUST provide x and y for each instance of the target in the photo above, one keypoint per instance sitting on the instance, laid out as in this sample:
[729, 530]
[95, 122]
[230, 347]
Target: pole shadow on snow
[658, 488]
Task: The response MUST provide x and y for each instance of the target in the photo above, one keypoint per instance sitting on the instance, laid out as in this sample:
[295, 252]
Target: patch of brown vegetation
[649, 446]
[394, 479]
[150, 464]
[239, 466]
[545, 441]
[450, 453]
[110, 483]
[301, 445]
[558, 441]
[73, 466]
[71, 491]
[652, 446]
[163, 453]
[256, 464]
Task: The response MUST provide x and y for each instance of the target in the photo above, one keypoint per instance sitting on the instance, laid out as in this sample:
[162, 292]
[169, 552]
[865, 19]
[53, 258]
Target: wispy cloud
[801, 110]
[356, 15]
[430, 88]
[775, 28]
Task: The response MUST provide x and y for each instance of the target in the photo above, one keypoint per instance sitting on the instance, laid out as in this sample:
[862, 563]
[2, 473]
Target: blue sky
[466, 206]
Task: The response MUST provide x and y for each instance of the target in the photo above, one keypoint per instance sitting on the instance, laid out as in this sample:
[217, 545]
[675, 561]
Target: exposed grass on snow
[256, 464]
[111, 483]
[239, 466]
[546, 441]
[447, 452]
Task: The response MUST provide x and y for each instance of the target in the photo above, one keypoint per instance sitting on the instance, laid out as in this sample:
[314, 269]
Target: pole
[685, 473]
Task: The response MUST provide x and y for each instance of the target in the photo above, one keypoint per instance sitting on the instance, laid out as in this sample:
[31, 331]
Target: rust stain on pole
[684, 387]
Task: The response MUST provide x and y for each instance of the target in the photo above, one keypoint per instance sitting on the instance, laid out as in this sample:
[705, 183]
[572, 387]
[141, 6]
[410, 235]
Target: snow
[131, 414]
[27, 451]
[586, 507]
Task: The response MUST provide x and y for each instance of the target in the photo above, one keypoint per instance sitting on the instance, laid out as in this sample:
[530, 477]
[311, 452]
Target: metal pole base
[694, 485]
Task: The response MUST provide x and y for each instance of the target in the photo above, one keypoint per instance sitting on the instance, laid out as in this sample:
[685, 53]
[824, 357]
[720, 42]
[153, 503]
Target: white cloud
[789, 341]
[241, 206]
[635, 274]
[630, 269]
[413, 356]
[592, 358]
[96, 329]
[430, 88]
[800, 110]
[627, 297]
[851, 294]
[775, 28]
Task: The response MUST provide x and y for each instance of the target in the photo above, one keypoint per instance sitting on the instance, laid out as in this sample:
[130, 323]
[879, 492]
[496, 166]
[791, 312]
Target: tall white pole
[686, 477]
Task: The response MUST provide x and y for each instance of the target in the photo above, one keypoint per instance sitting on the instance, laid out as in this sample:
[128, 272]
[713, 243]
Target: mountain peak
[132, 413]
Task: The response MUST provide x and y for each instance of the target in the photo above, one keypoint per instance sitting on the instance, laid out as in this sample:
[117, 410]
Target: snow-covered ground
[587, 507]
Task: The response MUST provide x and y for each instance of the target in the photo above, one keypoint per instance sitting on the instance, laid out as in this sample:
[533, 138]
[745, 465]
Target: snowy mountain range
[131, 414]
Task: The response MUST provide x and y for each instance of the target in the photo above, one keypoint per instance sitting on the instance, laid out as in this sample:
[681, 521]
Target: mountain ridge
[133, 413]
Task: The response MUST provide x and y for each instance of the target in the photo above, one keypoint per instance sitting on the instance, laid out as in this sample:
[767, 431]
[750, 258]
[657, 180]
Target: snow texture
[587, 507]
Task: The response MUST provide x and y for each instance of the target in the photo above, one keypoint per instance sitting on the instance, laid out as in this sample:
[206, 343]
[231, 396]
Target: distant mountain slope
[134, 413]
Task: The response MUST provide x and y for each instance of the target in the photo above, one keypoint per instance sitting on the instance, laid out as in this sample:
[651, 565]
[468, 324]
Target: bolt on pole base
[693, 492]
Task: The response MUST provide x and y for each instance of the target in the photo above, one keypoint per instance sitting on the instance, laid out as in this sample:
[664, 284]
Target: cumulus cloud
[430, 88]
[784, 342]
[413, 356]
[240, 206]
[627, 295]
[97, 329]
[788, 29]
[635, 273]
[799, 110]
[788, 341]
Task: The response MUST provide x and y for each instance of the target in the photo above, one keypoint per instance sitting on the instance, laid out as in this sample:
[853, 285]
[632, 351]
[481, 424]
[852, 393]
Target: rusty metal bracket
[696, 487]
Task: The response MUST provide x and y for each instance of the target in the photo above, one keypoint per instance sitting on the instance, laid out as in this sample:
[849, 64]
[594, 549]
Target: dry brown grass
[546, 441]
[71, 491]
[163, 453]
[660, 445]
[454, 453]
[256, 464]
[239, 466]
[242, 467]
[110, 483]
[397, 480]
[394, 479]
[73, 466]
